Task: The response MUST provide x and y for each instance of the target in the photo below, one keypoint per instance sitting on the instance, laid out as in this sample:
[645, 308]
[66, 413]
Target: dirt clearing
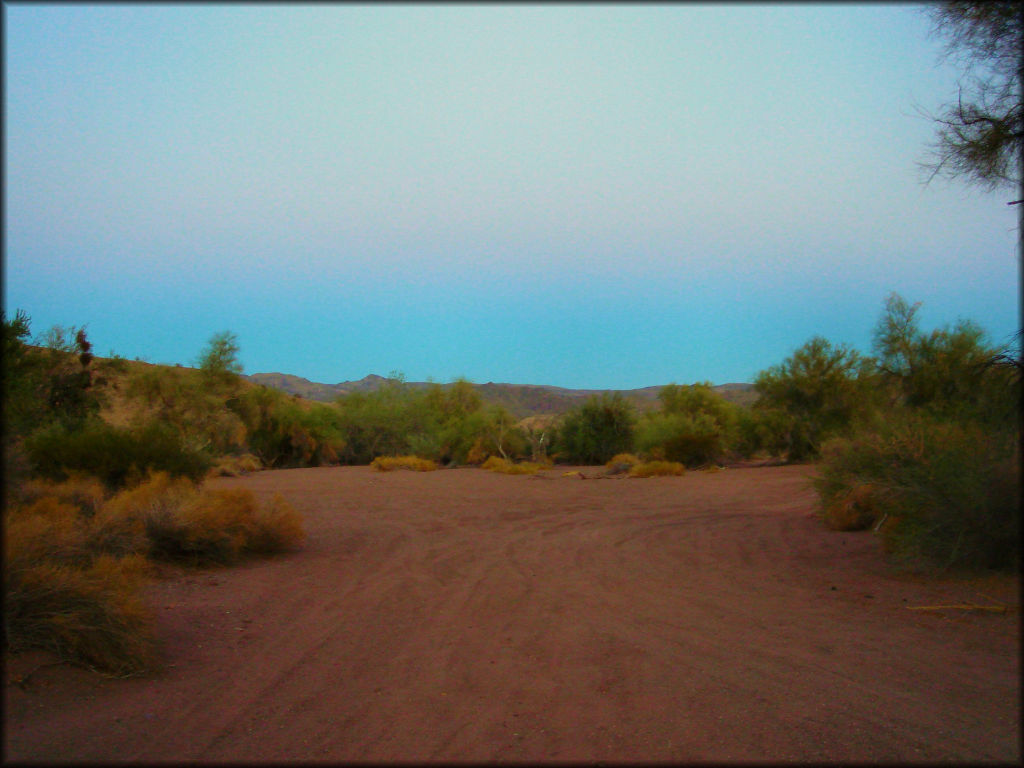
[466, 615]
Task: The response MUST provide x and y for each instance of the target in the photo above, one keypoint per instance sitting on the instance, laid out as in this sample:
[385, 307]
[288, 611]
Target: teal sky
[587, 196]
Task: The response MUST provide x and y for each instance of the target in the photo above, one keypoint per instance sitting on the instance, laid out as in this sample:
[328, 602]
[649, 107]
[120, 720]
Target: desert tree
[948, 372]
[814, 394]
[694, 426]
[598, 429]
[219, 359]
[979, 138]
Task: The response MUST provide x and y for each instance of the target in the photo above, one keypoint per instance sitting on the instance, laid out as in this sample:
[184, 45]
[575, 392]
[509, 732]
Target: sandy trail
[466, 615]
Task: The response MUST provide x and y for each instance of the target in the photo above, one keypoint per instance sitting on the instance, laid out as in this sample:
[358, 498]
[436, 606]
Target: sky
[587, 196]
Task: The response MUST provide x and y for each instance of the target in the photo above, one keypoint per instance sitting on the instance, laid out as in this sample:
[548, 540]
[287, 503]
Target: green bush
[378, 423]
[597, 430]
[444, 423]
[815, 394]
[690, 439]
[115, 455]
[948, 373]
[282, 432]
[946, 494]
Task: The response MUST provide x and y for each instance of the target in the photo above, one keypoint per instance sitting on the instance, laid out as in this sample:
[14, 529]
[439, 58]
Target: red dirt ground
[466, 615]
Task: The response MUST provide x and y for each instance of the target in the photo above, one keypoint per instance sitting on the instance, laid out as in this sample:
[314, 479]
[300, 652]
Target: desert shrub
[92, 615]
[753, 433]
[622, 458]
[212, 526]
[816, 393]
[477, 453]
[115, 531]
[657, 469]
[189, 404]
[949, 492]
[133, 519]
[427, 445]
[378, 423]
[449, 420]
[235, 466]
[506, 467]
[698, 398]
[52, 381]
[855, 508]
[947, 373]
[281, 432]
[597, 430]
[277, 527]
[115, 455]
[690, 439]
[218, 362]
[391, 463]
[85, 493]
[170, 519]
[445, 423]
[45, 529]
[621, 462]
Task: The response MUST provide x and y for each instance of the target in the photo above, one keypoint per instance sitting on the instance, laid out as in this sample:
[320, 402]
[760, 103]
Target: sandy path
[465, 615]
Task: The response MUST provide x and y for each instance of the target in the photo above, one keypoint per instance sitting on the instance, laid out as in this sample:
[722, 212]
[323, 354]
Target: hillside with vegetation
[521, 400]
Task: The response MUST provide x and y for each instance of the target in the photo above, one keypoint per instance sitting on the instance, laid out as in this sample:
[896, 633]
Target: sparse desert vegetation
[77, 557]
[116, 467]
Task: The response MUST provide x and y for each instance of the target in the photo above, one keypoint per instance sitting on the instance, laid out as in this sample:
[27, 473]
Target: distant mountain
[521, 400]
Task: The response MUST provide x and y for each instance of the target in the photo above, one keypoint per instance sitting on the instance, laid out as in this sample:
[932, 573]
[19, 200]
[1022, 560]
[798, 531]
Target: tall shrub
[818, 391]
[943, 493]
[597, 430]
[115, 455]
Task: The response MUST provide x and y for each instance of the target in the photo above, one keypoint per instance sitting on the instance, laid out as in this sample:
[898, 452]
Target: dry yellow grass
[391, 463]
[46, 529]
[93, 615]
[506, 467]
[621, 462]
[855, 510]
[657, 468]
[278, 528]
[235, 466]
[82, 491]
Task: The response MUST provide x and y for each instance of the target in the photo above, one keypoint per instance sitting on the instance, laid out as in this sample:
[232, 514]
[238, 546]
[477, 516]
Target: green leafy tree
[597, 430]
[694, 426]
[378, 423]
[946, 372]
[219, 359]
[283, 432]
[197, 404]
[817, 392]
